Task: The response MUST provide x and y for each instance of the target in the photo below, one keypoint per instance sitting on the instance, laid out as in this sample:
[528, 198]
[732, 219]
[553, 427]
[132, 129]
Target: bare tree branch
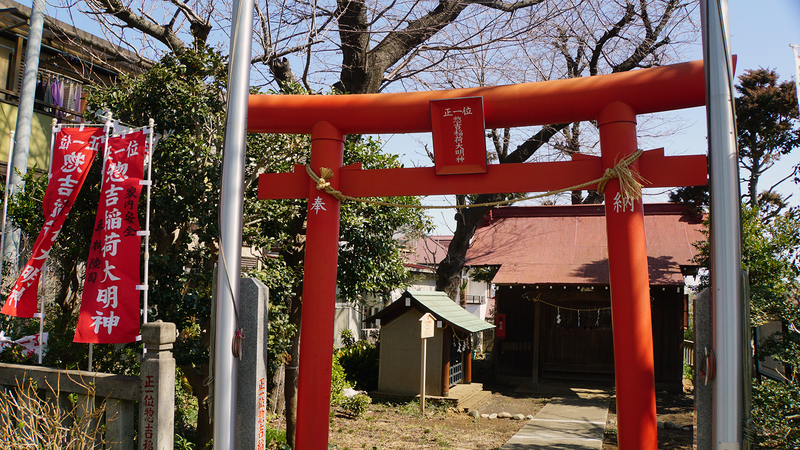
[118, 10]
[507, 7]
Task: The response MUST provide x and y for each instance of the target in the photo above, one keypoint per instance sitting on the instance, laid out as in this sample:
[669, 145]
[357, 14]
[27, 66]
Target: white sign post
[427, 323]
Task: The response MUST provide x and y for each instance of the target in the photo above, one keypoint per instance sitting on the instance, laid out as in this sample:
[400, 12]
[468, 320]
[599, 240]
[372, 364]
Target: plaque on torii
[613, 101]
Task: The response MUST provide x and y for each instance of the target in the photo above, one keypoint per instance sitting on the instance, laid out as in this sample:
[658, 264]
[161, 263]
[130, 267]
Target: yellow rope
[538, 298]
[630, 186]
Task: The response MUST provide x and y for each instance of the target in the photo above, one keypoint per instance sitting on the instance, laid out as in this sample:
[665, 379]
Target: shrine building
[552, 290]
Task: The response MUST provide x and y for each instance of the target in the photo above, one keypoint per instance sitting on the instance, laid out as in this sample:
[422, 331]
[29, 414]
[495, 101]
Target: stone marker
[157, 388]
[251, 395]
[703, 341]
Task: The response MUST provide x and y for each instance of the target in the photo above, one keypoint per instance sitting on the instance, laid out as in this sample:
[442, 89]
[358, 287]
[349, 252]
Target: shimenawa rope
[630, 186]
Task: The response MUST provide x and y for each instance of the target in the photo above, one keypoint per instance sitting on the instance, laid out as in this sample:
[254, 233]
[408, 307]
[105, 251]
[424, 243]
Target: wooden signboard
[428, 325]
[459, 141]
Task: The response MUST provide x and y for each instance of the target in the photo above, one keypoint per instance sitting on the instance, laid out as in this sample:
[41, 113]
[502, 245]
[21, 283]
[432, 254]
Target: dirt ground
[674, 408]
[400, 426]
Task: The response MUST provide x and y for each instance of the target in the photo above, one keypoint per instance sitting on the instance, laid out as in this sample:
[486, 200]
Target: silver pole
[45, 269]
[726, 242]
[5, 200]
[230, 226]
[25, 117]
[146, 282]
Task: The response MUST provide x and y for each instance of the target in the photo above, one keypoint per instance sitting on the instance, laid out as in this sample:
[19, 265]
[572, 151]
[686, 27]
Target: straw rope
[538, 299]
[630, 187]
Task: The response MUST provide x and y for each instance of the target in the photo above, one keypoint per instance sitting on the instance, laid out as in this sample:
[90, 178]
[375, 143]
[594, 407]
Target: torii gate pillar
[319, 291]
[630, 288]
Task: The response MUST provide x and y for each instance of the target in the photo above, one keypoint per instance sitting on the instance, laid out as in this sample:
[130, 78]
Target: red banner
[73, 153]
[110, 302]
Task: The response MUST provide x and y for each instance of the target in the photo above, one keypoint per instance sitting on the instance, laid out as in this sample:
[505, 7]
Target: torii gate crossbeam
[613, 100]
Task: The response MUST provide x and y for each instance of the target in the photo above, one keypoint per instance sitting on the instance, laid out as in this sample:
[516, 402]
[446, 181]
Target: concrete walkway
[574, 421]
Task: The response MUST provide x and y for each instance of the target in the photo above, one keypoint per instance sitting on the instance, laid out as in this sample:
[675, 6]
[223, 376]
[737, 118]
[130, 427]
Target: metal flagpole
[107, 128]
[146, 232]
[726, 245]
[230, 227]
[5, 198]
[45, 268]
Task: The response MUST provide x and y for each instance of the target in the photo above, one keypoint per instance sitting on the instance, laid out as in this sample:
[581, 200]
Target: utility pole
[230, 227]
[726, 242]
[22, 134]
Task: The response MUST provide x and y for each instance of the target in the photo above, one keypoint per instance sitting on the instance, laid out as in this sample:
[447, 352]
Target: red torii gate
[612, 100]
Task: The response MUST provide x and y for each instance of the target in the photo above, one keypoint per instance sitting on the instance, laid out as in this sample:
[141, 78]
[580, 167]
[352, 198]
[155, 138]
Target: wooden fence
[84, 392]
[688, 352]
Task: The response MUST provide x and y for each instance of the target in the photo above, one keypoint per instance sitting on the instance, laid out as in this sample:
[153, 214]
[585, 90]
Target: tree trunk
[448, 273]
[276, 397]
[294, 257]
[752, 183]
[196, 380]
[291, 376]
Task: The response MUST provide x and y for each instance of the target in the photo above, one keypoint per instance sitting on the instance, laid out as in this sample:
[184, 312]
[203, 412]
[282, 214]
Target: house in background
[423, 256]
[553, 301]
[70, 61]
[449, 351]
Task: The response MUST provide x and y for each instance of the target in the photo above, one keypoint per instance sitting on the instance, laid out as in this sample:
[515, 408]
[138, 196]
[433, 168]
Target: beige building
[449, 351]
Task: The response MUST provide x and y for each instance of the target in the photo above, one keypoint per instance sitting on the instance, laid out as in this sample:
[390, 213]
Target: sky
[760, 34]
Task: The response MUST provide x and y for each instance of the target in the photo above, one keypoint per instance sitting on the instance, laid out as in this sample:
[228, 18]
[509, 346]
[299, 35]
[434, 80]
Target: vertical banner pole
[725, 229]
[148, 185]
[319, 293]
[630, 288]
[109, 124]
[9, 167]
[45, 271]
[46, 268]
[230, 227]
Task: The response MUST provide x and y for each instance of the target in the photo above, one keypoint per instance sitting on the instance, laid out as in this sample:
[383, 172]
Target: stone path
[564, 423]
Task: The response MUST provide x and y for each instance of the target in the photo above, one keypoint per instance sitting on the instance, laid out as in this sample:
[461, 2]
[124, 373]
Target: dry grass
[28, 421]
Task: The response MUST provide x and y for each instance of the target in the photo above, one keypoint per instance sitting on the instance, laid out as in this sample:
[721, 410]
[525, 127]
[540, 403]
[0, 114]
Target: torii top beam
[572, 100]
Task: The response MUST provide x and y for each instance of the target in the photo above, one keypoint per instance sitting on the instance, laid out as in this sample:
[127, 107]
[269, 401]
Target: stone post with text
[251, 395]
[157, 389]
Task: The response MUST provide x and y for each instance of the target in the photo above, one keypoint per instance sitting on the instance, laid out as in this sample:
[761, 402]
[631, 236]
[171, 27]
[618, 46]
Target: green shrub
[688, 372]
[360, 363]
[182, 443]
[276, 439]
[338, 381]
[356, 405]
[347, 337]
[775, 409]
